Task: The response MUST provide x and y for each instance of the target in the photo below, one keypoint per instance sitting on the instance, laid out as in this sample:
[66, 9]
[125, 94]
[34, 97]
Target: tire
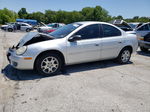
[124, 56]
[48, 64]
[10, 29]
[28, 30]
[143, 49]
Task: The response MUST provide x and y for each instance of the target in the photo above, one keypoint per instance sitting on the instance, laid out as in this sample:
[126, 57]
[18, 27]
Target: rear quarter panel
[131, 40]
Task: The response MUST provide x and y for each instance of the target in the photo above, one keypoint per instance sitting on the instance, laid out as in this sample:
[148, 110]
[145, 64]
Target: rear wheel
[124, 56]
[27, 30]
[48, 64]
[143, 49]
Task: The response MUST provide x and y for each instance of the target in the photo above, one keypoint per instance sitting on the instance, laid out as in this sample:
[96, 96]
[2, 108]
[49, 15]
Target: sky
[126, 8]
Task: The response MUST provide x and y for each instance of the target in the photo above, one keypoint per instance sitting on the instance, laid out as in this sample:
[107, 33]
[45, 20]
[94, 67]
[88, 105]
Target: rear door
[112, 41]
[23, 27]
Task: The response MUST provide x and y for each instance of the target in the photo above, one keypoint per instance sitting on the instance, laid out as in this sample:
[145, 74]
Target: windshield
[133, 25]
[65, 30]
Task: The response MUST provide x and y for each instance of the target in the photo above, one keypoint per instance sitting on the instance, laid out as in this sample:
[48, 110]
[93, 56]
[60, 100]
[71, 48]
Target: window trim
[100, 31]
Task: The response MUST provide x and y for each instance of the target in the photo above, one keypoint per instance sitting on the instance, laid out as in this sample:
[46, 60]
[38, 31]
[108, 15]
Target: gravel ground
[102, 86]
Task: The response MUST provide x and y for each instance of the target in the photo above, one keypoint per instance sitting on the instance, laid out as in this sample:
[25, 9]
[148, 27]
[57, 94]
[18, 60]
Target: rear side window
[144, 28]
[89, 32]
[23, 25]
[110, 31]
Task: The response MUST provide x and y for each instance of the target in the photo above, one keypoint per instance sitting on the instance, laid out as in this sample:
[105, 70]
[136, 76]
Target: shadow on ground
[21, 75]
[143, 53]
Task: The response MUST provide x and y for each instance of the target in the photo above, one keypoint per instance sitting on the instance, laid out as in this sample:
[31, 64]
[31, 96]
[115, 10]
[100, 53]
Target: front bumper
[18, 61]
[144, 44]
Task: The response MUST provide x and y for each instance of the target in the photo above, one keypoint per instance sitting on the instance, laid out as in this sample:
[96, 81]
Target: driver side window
[89, 32]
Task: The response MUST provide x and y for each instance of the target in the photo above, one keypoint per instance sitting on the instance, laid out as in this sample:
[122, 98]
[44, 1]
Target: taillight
[140, 38]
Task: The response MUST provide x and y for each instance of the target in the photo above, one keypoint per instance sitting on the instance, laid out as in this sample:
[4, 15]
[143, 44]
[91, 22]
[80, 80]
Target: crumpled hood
[33, 37]
[26, 38]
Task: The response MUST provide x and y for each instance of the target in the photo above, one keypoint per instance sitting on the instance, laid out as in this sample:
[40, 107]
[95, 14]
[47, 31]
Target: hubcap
[125, 56]
[49, 65]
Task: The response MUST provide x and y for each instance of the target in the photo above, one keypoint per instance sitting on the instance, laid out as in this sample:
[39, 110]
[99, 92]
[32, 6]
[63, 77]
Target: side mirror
[74, 38]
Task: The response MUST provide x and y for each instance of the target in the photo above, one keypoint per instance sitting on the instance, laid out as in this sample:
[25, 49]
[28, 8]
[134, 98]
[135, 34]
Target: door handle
[119, 42]
[96, 44]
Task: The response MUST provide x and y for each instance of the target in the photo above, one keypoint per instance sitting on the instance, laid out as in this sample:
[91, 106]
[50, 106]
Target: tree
[50, 16]
[87, 13]
[22, 13]
[100, 14]
[95, 14]
[138, 19]
[74, 16]
[39, 16]
[119, 17]
[7, 16]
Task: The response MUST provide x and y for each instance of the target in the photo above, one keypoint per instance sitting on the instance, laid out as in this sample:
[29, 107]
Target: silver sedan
[74, 43]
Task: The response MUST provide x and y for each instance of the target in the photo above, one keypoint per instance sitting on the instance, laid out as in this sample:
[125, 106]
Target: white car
[74, 43]
[17, 26]
[143, 33]
[143, 30]
[45, 28]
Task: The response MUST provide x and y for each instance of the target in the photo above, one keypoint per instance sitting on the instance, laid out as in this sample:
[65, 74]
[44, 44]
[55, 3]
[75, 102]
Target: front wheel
[124, 56]
[48, 64]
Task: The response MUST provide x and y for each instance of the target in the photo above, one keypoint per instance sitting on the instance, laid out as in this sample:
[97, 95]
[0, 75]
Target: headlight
[21, 50]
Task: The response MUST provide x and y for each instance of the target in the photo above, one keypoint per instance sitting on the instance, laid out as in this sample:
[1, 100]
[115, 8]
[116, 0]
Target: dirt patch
[6, 90]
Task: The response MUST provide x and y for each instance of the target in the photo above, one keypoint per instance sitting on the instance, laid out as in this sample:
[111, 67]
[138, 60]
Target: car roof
[90, 22]
[95, 22]
[135, 23]
[23, 23]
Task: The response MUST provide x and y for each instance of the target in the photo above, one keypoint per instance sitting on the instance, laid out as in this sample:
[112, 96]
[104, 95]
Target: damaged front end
[28, 39]
[17, 51]
[33, 37]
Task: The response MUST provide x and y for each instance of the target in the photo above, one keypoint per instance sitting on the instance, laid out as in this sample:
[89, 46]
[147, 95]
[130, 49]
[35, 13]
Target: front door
[23, 27]
[88, 48]
[143, 30]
